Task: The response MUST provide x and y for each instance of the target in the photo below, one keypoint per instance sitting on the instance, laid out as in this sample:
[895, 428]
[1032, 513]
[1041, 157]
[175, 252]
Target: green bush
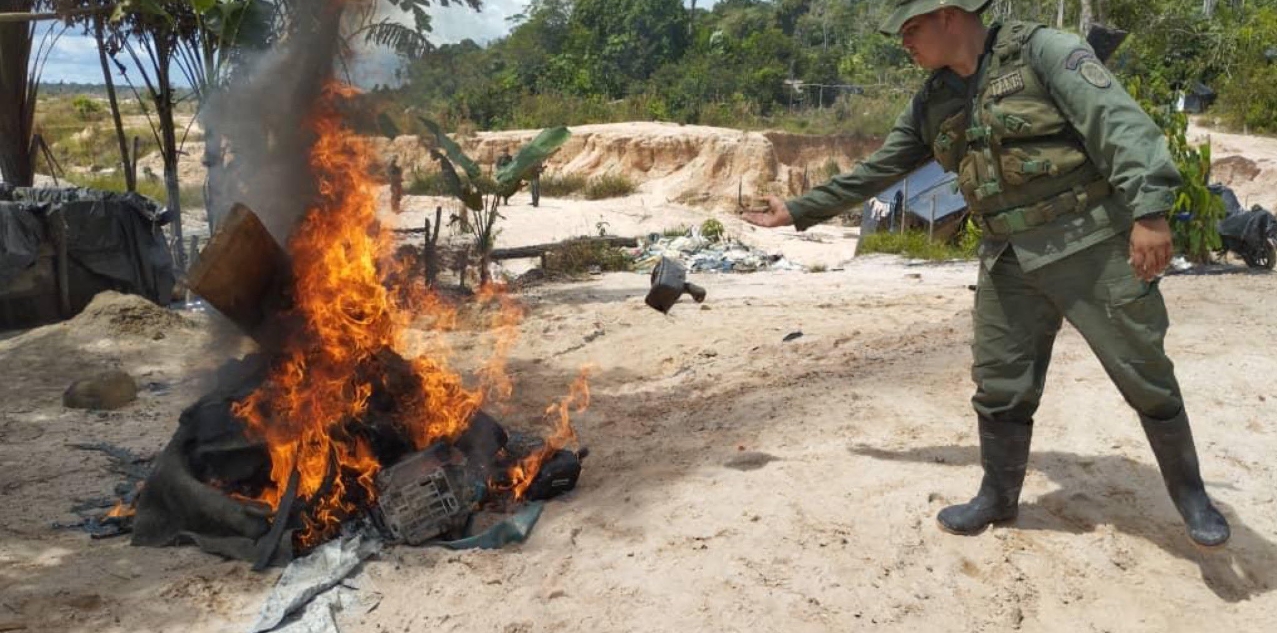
[580, 257]
[191, 196]
[608, 186]
[676, 231]
[428, 184]
[712, 230]
[561, 185]
[86, 107]
[914, 245]
[969, 239]
[1196, 212]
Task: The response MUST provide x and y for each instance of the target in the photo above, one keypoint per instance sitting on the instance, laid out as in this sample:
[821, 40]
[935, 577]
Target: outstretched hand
[774, 215]
[1150, 247]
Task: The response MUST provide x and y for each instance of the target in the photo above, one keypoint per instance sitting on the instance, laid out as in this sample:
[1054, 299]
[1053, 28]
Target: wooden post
[904, 206]
[931, 232]
[61, 264]
[462, 265]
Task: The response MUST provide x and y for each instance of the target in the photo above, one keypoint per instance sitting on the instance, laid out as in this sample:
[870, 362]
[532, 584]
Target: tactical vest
[1011, 147]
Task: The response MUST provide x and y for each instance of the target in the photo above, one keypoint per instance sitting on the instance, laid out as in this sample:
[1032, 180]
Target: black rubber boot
[1172, 442]
[1004, 451]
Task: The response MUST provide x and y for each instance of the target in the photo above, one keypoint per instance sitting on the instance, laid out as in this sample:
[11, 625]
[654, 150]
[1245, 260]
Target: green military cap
[908, 9]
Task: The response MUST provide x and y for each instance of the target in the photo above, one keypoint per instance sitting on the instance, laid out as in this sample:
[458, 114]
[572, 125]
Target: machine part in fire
[557, 475]
[669, 282]
[425, 495]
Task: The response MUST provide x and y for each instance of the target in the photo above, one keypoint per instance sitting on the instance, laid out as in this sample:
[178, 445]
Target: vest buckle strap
[988, 189]
[1076, 200]
[979, 132]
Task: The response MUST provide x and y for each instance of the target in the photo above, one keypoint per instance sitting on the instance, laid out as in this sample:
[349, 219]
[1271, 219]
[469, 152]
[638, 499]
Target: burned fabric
[180, 503]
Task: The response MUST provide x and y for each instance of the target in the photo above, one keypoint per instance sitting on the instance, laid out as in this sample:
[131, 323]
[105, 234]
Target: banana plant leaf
[530, 156]
[453, 150]
[463, 191]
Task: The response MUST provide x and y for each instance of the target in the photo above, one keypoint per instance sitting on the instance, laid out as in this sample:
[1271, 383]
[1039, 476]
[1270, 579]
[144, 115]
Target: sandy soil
[736, 482]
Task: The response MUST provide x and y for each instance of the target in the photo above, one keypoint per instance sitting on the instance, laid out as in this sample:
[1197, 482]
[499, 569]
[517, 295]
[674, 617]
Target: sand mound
[115, 314]
[682, 163]
[1235, 170]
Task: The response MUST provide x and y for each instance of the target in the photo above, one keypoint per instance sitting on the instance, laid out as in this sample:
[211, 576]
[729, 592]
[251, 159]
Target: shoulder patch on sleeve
[1095, 73]
[1077, 57]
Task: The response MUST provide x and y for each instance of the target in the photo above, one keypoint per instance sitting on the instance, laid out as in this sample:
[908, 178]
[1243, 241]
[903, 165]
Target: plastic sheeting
[113, 241]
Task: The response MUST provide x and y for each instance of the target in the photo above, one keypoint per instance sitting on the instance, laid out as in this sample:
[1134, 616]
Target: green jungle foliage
[808, 66]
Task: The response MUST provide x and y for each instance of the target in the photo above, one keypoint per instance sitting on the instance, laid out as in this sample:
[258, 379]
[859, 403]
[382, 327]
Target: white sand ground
[865, 418]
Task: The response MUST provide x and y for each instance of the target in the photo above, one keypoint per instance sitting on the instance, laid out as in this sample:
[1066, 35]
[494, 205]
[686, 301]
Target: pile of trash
[699, 253]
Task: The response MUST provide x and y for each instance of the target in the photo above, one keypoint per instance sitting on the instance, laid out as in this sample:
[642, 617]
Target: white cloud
[457, 23]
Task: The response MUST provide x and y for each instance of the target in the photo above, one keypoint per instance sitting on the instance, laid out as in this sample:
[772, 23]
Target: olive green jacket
[1119, 138]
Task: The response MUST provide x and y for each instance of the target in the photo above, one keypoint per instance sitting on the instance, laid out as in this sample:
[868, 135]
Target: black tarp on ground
[177, 507]
[113, 242]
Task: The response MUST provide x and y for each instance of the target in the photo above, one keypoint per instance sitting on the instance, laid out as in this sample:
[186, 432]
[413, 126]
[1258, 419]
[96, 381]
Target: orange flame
[524, 472]
[336, 357]
[329, 365]
[121, 510]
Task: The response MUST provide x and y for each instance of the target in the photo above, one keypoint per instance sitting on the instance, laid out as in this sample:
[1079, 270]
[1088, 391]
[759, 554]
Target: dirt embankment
[690, 164]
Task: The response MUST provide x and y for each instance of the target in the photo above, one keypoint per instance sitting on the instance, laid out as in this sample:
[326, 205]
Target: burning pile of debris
[330, 425]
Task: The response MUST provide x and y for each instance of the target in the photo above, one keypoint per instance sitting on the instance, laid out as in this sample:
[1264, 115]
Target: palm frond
[401, 39]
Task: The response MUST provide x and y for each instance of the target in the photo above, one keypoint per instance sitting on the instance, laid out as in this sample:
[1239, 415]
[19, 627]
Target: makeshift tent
[60, 247]
[1196, 99]
[924, 199]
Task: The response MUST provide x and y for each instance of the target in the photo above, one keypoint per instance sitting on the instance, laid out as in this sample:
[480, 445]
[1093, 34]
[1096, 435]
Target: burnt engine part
[426, 495]
[557, 475]
[669, 282]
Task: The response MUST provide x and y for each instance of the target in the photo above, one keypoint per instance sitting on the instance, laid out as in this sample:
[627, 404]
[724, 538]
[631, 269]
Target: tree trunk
[1059, 16]
[126, 165]
[215, 203]
[16, 166]
[1084, 18]
[1208, 8]
[168, 143]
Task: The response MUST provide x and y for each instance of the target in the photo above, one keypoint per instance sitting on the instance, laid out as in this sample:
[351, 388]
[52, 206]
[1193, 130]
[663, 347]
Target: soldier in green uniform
[1071, 182]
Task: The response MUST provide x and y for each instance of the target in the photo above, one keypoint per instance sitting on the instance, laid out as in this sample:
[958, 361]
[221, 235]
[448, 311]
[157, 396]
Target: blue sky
[74, 58]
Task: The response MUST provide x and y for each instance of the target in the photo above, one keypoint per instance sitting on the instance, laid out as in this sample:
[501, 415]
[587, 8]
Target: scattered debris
[699, 254]
[316, 574]
[118, 518]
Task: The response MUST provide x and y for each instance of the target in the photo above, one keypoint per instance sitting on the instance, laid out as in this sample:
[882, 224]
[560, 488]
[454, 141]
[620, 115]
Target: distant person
[535, 184]
[394, 173]
[1071, 182]
[504, 159]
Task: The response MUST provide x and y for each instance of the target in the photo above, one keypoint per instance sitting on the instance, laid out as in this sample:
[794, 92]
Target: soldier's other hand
[1150, 247]
[774, 215]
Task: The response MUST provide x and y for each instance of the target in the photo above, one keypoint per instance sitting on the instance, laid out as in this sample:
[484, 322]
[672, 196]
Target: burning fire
[345, 324]
[578, 399]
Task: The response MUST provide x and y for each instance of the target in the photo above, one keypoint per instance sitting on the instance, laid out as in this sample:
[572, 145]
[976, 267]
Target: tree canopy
[573, 61]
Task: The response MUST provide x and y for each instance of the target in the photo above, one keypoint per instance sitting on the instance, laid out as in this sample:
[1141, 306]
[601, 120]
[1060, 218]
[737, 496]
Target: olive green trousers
[1018, 314]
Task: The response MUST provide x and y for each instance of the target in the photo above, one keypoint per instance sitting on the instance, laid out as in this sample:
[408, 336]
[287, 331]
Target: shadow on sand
[1243, 568]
